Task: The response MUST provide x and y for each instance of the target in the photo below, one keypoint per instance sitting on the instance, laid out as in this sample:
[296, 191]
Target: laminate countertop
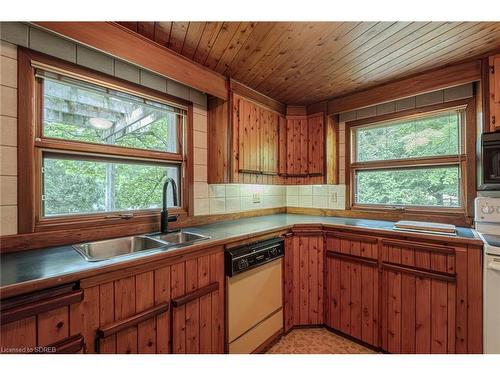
[34, 269]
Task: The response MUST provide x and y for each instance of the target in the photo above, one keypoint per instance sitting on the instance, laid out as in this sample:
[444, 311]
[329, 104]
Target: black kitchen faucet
[164, 212]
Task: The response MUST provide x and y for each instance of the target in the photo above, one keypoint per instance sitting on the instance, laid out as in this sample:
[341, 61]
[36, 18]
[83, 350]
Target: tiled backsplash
[316, 196]
[218, 199]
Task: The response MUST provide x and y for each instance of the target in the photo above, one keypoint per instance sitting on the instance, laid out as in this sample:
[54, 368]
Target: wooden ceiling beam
[436, 79]
[122, 43]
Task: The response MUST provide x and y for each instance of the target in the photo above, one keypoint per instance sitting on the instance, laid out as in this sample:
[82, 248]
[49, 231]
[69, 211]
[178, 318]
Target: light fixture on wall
[100, 123]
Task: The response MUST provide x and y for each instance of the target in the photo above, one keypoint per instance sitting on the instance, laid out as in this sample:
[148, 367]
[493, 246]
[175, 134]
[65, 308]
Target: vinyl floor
[316, 341]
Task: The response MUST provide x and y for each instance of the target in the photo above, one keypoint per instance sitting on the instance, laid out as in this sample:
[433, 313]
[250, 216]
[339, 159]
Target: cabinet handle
[420, 273]
[25, 310]
[120, 325]
[180, 301]
[70, 345]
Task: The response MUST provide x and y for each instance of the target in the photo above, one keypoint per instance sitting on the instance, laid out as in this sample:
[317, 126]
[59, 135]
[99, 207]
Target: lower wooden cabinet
[431, 298]
[402, 296]
[419, 313]
[39, 322]
[175, 308]
[122, 317]
[352, 304]
[399, 295]
[166, 307]
[197, 291]
[303, 279]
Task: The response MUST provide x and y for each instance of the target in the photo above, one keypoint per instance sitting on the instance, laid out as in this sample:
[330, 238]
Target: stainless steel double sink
[117, 247]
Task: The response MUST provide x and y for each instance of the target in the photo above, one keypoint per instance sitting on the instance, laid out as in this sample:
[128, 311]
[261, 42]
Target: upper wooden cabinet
[494, 94]
[250, 142]
[257, 143]
[245, 142]
[296, 146]
[305, 145]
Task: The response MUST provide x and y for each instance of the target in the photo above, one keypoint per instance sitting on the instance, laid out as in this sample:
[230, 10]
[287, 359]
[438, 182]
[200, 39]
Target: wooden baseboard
[353, 339]
[266, 345]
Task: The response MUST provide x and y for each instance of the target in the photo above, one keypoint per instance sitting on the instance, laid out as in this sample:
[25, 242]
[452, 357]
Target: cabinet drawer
[432, 258]
[352, 244]
[39, 320]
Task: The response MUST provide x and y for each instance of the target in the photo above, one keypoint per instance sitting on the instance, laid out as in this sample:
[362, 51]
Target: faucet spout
[164, 212]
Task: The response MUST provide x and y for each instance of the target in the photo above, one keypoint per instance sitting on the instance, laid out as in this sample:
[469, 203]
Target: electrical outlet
[333, 197]
[256, 197]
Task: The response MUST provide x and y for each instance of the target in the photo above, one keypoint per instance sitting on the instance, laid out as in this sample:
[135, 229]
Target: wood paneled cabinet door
[40, 322]
[176, 308]
[305, 145]
[269, 147]
[249, 135]
[303, 279]
[494, 94]
[431, 299]
[198, 305]
[316, 144]
[126, 315]
[297, 146]
[352, 286]
[258, 137]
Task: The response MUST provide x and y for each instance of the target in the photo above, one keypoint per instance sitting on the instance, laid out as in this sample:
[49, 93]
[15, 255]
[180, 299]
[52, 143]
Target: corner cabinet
[303, 278]
[494, 92]
[398, 294]
[352, 286]
[251, 143]
[305, 145]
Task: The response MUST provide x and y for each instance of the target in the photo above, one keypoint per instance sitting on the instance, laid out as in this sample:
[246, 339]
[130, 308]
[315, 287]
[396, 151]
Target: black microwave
[490, 162]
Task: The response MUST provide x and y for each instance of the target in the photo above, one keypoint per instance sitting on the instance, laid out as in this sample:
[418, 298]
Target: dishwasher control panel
[247, 257]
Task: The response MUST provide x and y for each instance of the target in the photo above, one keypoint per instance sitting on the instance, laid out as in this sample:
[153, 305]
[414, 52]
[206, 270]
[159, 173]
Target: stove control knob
[242, 263]
[487, 210]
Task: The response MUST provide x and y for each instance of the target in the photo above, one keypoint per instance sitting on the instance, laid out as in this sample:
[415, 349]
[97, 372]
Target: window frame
[465, 161]
[32, 145]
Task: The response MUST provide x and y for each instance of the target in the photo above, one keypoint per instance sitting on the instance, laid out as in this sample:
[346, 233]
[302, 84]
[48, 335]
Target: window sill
[143, 218]
[456, 216]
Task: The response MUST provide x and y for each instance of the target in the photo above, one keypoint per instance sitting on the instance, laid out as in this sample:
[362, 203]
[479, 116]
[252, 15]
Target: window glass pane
[84, 112]
[77, 186]
[438, 186]
[435, 135]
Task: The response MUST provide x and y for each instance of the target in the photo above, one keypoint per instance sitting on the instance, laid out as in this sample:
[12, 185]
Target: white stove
[487, 216]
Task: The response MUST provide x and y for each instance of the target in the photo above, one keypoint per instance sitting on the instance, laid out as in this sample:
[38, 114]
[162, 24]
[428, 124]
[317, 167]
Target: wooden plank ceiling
[306, 62]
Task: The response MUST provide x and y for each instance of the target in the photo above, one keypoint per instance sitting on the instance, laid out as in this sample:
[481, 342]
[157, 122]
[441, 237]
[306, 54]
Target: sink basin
[107, 249]
[180, 237]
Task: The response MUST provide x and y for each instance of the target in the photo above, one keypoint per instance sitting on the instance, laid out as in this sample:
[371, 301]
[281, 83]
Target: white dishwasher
[254, 295]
